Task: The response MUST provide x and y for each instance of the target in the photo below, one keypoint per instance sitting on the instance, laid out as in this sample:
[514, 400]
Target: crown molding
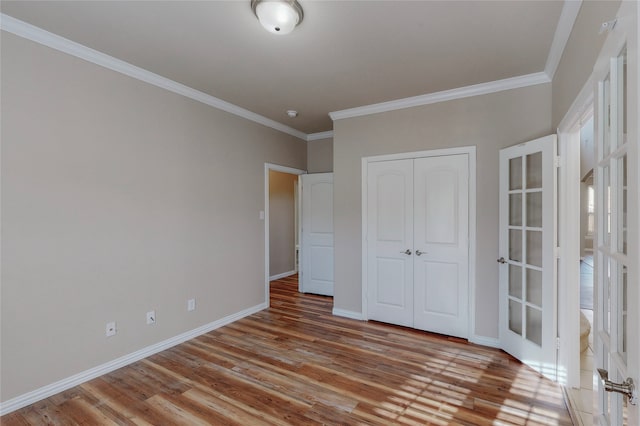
[38, 35]
[446, 95]
[567, 20]
[319, 135]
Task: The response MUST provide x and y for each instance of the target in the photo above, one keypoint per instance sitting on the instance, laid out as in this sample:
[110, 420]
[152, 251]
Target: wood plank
[297, 364]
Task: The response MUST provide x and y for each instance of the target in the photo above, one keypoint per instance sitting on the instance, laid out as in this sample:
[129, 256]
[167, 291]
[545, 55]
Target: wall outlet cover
[111, 329]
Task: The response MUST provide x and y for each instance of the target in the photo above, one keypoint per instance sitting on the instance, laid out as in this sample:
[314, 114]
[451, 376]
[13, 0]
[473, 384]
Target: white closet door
[390, 242]
[317, 233]
[441, 245]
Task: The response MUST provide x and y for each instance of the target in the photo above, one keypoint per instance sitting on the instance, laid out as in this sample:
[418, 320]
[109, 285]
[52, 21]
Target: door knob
[419, 253]
[627, 387]
[501, 260]
[407, 252]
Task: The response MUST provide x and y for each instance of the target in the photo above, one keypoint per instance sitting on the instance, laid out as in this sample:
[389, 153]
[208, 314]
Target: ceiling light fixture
[278, 16]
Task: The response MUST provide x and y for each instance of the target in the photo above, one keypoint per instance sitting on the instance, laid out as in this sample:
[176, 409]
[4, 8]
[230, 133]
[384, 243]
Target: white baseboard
[485, 341]
[77, 379]
[282, 275]
[347, 314]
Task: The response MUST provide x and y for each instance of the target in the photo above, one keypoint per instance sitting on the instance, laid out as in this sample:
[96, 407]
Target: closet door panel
[390, 242]
[441, 245]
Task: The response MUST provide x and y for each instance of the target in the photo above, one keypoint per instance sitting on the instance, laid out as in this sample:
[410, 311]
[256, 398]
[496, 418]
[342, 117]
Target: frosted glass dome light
[278, 16]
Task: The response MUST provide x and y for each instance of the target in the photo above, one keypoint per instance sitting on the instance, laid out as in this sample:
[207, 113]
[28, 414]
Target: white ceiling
[344, 54]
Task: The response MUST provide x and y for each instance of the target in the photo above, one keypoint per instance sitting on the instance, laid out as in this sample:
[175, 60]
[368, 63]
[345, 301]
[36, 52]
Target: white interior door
[317, 234]
[617, 328]
[418, 243]
[441, 243]
[390, 242]
[527, 263]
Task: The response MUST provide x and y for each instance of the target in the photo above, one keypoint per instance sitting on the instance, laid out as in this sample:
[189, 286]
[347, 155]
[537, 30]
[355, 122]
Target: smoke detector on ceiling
[607, 26]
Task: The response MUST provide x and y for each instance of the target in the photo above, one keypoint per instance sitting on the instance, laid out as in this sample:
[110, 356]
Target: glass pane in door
[606, 122]
[515, 209]
[534, 325]
[605, 202]
[534, 170]
[534, 248]
[534, 209]
[621, 204]
[534, 287]
[515, 245]
[606, 294]
[515, 281]
[515, 173]
[622, 312]
[515, 316]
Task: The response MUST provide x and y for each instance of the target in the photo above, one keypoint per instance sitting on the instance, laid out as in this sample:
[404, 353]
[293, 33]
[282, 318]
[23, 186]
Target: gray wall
[489, 122]
[119, 197]
[580, 55]
[282, 232]
[320, 156]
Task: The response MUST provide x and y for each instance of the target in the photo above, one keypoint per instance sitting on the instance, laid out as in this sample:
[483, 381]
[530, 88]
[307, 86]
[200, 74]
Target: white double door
[417, 243]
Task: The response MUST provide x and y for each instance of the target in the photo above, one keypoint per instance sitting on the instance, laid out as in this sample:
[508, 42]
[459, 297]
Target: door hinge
[557, 161]
[558, 343]
[556, 252]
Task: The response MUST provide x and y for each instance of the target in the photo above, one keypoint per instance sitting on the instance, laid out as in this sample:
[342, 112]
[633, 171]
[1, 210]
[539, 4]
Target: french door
[418, 243]
[617, 334]
[526, 254]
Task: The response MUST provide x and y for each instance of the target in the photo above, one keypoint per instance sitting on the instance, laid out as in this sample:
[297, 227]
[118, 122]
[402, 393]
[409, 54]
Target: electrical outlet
[191, 305]
[111, 329]
[151, 317]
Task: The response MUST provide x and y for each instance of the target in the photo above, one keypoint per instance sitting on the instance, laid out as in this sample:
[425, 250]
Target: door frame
[568, 314]
[568, 133]
[267, 168]
[471, 152]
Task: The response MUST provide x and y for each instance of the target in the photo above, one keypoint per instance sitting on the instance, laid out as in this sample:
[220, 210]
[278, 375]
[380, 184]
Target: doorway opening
[586, 287]
[575, 270]
[281, 223]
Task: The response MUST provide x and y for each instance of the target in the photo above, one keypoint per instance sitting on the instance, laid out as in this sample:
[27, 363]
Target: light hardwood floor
[296, 364]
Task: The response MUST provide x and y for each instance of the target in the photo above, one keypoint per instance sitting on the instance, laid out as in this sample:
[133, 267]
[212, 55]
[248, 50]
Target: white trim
[472, 241]
[77, 379]
[569, 280]
[347, 314]
[420, 154]
[471, 152]
[38, 35]
[567, 19]
[277, 168]
[320, 135]
[364, 248]
[491, 342]
[282, 275]
[446, 95]
[568, 306]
